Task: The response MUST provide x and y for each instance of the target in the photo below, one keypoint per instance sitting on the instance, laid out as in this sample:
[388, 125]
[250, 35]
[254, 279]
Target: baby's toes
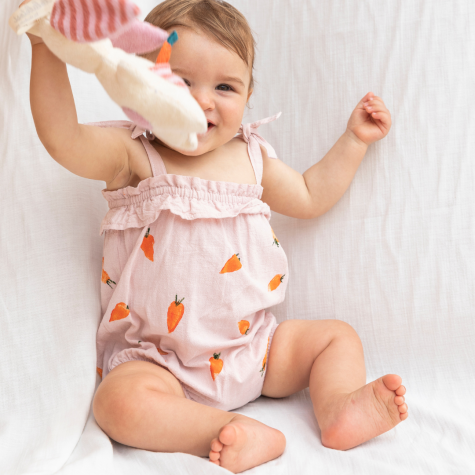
[401, 390]
[398, 400]
[215, 452]
[392, 382]
[402, 408]
[216, 445]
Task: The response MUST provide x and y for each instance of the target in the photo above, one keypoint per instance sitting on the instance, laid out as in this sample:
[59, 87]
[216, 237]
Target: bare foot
[354, 418]
[245, 443]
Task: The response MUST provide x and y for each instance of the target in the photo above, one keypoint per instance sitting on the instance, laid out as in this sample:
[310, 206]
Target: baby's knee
[106, 408]
[345, 330]
[114, 405]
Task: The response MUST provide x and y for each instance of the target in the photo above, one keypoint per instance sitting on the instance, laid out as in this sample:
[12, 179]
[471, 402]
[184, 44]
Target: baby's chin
[195, 153]
[200, 150]
[203, 147]
[207, 143]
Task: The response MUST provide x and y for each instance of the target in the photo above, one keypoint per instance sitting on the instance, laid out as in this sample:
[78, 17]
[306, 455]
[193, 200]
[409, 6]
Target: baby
[191, 264]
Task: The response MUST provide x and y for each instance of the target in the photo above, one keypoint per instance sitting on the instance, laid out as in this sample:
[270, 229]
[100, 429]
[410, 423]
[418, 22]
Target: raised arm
[319, 188]
[87, 151]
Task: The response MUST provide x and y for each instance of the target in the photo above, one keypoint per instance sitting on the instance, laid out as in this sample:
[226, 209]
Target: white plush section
[394, 257]
[174, 116]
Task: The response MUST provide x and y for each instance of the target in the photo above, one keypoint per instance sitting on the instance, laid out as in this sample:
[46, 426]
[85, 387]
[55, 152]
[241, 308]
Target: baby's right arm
[88, 151]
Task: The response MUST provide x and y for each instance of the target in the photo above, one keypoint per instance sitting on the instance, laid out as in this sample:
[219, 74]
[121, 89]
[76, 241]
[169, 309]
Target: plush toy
[98, 36]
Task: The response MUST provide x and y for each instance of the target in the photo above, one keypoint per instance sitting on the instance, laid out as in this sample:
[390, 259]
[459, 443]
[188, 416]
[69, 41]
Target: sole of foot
[354, 418]
[244, 443]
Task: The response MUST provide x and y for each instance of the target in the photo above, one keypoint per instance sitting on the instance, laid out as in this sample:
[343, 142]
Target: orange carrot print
[243, 327]
[99, 372]
[276, 241]
[275, 282]
[174, 314]
[166, 49]
[120, 311]
[233, 264]
[161, 351]
[216, 364]
[105, 276]
[264, 361]
[147, 245]
[164, 53]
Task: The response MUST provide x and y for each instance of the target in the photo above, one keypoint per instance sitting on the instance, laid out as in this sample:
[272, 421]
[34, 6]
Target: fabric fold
[186, 196]
[249, 134]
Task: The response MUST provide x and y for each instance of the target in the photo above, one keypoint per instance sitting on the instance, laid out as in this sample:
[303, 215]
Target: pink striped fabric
[91, 20]
[163, 70]
[139, 37]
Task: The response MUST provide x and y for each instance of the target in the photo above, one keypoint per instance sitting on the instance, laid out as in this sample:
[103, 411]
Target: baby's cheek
[231, 115]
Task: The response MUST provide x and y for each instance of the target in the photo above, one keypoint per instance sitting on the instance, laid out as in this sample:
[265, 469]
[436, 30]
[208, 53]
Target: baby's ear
[250, 93]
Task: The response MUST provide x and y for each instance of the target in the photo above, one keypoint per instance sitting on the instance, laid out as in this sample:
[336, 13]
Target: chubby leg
[327, 356]
[143, 405]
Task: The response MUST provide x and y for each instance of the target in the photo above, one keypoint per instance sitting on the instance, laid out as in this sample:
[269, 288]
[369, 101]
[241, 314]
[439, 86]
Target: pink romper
[189, 268]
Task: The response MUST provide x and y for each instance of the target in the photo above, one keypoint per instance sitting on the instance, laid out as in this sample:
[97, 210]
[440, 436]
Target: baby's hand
[33, 38]
[370, 121]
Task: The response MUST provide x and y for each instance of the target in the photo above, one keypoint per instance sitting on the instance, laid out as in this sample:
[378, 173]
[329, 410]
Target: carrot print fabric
[190, 267]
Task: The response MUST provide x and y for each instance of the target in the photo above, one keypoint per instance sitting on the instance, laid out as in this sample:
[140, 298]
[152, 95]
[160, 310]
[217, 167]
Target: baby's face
[218, 79]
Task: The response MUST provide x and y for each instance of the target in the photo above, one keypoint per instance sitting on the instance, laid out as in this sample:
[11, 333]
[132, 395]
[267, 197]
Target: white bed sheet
[394, 257]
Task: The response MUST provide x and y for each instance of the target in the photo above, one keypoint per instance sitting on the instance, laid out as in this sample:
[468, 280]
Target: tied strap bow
[249, 134]
[137, 131]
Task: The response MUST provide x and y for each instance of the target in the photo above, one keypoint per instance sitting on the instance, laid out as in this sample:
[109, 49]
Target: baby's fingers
[383, 116]
[376, 108]
[374, 102]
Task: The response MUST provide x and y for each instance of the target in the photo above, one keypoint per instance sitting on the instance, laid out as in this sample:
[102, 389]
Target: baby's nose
[204, 99]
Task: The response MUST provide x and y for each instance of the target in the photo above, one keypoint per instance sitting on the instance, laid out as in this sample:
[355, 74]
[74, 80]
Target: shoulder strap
[248, 132]
[156, 162]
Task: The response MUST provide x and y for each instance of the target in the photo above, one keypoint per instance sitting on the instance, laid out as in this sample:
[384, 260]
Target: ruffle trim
[186, 196]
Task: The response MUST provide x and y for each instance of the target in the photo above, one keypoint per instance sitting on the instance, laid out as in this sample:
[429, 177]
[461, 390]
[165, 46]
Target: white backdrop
[394, 257]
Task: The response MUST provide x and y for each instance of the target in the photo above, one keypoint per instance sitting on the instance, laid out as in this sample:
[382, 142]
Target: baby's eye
[186, 82]
[229, 88]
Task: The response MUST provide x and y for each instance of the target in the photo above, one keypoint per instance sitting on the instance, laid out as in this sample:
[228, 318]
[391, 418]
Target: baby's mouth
[210, 126]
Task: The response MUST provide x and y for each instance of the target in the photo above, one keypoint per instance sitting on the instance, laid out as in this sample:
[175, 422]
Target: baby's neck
[228, 162]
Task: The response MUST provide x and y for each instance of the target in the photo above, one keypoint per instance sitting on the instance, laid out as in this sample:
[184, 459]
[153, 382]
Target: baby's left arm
[312, 194]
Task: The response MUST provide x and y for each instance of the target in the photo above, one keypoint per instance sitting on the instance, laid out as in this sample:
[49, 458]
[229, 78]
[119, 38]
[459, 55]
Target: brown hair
[217, 18]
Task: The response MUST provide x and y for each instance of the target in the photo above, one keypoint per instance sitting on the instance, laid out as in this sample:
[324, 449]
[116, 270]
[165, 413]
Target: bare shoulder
[237, 163]
[236, 144]
[273, 173]
[285, 189]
